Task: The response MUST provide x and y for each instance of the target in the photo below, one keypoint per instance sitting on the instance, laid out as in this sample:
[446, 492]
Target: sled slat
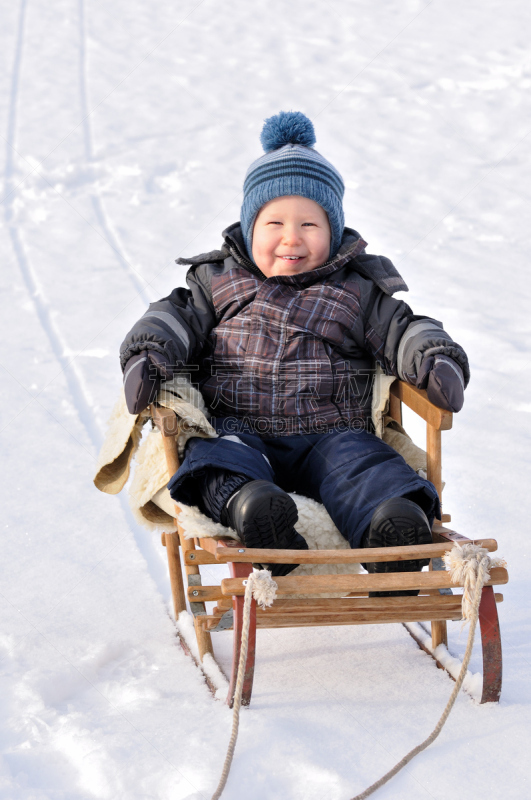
[356, 618]
[353, 618]
[321, 584]
[316, 584]
[345, 604]
[322, 621]
[296, 613]
[200, 557]
[205, 594]
[368, 554]
[442, 606]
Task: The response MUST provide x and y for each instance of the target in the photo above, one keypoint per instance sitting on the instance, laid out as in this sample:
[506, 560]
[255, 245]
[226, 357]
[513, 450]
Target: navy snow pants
[349, 472]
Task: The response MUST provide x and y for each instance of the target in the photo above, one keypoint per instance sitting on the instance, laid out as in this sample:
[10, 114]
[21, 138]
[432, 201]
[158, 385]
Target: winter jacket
[291, 354]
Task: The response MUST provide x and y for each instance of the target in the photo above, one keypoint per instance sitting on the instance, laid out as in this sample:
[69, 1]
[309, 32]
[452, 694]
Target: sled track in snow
[73, 376]
[70, 370]
[109, 233]
[144, 543]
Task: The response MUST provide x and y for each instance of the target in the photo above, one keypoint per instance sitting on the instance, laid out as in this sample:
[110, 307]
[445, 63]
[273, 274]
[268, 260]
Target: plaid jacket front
[276, 357]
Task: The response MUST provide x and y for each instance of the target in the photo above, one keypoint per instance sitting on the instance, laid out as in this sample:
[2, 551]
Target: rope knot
[467, 564]
[263, 587]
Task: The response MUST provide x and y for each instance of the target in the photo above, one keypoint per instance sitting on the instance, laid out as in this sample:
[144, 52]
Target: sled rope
[263, 588]
[469, 564]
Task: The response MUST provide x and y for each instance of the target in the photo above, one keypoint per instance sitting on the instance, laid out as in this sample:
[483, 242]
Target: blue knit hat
[292, 167]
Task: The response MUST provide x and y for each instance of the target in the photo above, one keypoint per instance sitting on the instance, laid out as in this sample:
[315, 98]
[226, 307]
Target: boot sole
[268, 517]
[392, 528]
[398, 531]
[273, 519]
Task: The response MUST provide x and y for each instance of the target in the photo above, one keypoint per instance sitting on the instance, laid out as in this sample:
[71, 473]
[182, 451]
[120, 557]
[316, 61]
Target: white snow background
[127, 128]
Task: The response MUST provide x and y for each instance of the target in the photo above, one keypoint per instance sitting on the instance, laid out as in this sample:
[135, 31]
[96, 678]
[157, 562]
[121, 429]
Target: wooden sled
[435, 603]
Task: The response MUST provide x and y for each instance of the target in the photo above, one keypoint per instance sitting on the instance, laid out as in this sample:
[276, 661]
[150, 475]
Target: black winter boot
[263, 516]
[397, 522]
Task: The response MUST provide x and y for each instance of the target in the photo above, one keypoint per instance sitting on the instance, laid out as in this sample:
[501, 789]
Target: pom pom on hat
[287, 127]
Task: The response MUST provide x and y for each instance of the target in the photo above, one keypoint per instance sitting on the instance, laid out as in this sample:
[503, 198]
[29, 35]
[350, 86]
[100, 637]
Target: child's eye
[308, 223]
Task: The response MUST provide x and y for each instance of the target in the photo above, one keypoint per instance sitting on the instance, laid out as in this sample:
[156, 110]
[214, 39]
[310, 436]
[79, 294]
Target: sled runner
[349, 603]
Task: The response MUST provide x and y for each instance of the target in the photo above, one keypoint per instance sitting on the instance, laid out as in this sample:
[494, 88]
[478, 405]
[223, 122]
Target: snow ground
[127, 130]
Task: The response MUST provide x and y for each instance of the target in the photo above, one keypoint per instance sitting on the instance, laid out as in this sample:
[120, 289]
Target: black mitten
[443, 380]
[143, 375]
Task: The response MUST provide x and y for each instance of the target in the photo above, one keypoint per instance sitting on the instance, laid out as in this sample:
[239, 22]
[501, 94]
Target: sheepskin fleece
[163, 500]
[150, 476]
[187, 402]
[124, 431]
[148, 497]
[388, 429]
[321, 534]
[121, 441]
[380, 400]
[395, 436]
[195, 524]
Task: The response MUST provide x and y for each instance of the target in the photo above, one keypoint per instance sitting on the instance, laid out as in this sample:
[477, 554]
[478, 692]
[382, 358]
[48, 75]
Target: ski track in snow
[74, 377]
[68, 366]
[277, 755]
[108, 231]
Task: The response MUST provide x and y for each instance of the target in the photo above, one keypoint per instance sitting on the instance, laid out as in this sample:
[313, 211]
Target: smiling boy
[285, 324]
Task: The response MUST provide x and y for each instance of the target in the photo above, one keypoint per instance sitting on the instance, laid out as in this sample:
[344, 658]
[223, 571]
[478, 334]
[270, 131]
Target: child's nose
[291, 235]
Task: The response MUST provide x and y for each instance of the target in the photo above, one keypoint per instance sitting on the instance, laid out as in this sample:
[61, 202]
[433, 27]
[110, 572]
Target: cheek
[323, 246]
[263, 245]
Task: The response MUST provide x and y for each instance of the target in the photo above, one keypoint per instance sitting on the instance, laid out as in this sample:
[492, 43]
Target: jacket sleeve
[176, 326]
[401, 340]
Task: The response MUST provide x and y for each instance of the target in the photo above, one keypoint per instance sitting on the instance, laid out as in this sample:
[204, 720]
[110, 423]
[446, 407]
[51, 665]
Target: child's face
[290, 235]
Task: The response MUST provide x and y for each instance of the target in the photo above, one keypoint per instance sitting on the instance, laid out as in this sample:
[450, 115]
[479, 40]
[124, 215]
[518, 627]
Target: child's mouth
[291, 258]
